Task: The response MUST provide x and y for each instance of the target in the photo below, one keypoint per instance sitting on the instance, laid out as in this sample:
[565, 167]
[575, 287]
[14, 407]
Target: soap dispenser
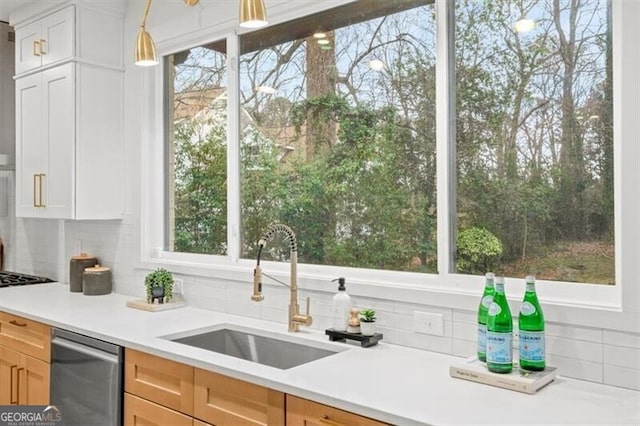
[341, 306]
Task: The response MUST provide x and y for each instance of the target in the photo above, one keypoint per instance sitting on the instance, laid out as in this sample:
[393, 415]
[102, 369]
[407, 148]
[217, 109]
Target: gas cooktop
[14, 278]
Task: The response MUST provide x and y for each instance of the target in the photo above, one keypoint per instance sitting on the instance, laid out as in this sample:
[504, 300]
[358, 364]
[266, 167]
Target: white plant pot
[367, 328]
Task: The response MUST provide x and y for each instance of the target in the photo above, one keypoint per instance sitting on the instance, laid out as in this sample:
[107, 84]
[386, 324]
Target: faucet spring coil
[276, 228]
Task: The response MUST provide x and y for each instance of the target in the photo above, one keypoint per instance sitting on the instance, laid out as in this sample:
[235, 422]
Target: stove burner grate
[13, 278]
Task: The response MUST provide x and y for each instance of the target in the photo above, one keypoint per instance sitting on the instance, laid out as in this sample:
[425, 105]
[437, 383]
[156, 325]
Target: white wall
[44, 247]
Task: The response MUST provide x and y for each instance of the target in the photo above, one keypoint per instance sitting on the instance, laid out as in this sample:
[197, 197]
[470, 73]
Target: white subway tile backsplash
[576, 368]
[623, 377]
[424, 341]
[210, 303]
[466, 317]
[464, 331]
[622, 357]
[619, 338]
[575, 349]
[573, 332]
[276, 315]
[464, 348]
[377, 304]
[248, 309]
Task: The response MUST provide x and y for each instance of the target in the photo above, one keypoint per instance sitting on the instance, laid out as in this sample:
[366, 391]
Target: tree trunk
[322, 76]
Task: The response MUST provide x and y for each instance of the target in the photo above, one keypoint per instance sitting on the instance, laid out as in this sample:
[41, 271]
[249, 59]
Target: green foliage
[201, 187]
[367, 315]
[160, 278]
[478, 251]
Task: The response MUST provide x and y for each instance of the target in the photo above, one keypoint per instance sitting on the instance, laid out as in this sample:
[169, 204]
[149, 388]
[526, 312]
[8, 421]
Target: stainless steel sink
[255, 346]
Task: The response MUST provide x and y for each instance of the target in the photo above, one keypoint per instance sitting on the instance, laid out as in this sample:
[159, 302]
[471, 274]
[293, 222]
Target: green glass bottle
[499, 332]
[483, 309]
[531, 330]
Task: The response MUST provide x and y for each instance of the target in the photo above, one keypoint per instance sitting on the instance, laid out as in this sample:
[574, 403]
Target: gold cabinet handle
[41, 176]
[36, 47]
[42, 42]
[18, 324]
[35, 183]
[18, 384]
[11, 382]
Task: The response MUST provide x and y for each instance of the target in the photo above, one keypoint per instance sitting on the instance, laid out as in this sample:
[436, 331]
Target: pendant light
[252, 14]
[145, 53]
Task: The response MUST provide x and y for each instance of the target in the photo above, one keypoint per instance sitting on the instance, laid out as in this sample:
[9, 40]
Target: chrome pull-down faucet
[295, 317]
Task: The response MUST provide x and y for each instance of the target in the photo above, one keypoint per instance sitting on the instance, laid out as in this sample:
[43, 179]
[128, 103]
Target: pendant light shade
[252, 14]
[145, 53]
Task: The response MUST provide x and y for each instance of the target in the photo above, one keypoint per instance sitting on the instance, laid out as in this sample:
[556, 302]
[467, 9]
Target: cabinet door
[28, 47]
[222, 400]
[140, 412]
[302, 412]
[56, 180]
[9, 364]
[33, 381]
[57, 37]
[45, 41]
[29, 145]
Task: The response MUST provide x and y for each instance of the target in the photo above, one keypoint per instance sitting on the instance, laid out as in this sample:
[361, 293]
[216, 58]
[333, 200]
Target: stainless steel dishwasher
[86, 379]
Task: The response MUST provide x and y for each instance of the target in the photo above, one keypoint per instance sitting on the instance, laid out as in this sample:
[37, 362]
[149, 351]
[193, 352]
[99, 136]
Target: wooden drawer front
[222, 400]
[166, 382]
[26, 336]
[302, 412]
[140, 412]
[197, 422]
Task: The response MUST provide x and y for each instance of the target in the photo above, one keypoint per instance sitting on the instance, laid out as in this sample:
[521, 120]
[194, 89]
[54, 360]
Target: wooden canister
[77, 266]
[97, 280]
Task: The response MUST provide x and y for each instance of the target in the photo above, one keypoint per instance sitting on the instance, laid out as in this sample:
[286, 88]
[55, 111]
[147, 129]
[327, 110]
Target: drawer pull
[36, 48]
[325, 420]
[42, 42]
[11, 382]
[19, 370]
[18, 324]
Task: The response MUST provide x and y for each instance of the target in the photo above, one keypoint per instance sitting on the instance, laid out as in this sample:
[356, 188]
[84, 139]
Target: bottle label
[527, 308]
[494, 309]
[482, 338]
[499, 348]
[531, 345]
[486, 301]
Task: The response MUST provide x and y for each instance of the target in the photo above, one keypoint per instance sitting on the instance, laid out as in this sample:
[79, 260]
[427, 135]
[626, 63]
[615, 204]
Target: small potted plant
[159, 285]
[367, 322]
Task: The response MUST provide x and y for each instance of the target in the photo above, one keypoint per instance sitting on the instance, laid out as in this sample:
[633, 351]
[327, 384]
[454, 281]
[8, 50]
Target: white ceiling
[7, 6]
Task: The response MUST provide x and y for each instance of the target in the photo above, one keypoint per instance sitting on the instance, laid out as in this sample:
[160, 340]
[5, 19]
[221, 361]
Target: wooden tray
[177, 302]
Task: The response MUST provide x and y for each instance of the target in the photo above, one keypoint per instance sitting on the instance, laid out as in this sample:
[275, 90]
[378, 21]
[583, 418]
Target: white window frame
[614, 307]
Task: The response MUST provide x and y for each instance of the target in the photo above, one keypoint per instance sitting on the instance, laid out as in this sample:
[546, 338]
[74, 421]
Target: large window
[338, 135]
[333, 124]
[196, 109]
[534, 112]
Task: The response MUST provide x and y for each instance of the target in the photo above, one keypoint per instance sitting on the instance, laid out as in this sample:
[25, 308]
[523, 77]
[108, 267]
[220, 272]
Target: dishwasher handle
[86, 350]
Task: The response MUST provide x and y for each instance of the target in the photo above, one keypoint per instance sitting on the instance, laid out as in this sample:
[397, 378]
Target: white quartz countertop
[391, 383]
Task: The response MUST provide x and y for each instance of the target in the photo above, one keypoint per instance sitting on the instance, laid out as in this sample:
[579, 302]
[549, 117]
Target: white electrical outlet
[177, 285]
[428, 323]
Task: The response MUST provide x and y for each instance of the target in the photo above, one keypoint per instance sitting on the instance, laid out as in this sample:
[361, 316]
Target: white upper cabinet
[69, 121]
[46, 41]
[81, 33]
